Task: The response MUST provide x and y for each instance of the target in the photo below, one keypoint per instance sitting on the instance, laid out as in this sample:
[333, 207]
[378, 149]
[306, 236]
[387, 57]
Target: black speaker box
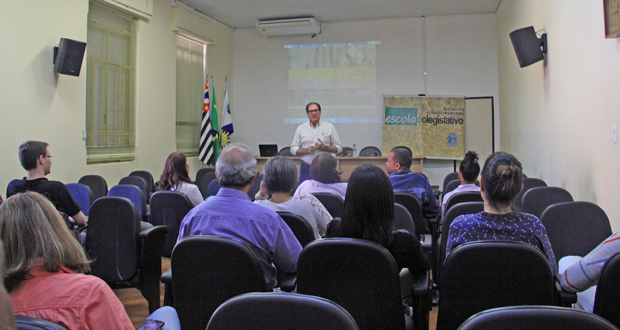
[68, 57]
[527, 46]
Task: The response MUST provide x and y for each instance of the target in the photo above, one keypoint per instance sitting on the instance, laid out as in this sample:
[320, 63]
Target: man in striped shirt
[231, 213]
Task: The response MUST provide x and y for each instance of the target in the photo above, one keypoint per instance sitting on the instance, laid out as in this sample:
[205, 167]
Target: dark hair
[280, 174]
[369, 206]
[311, 103]
[175, 171]
[469, 167]
[324, 169]
[402, 156]
[29, 153]
[502, 178]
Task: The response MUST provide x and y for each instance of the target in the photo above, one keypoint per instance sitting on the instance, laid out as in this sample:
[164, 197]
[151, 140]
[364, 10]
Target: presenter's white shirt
[306, 135]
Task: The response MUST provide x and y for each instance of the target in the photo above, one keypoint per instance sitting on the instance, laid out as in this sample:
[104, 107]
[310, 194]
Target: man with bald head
[231, 213]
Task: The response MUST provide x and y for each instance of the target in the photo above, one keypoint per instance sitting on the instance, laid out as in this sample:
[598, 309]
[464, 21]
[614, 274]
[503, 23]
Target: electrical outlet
[83, 134]
[614, 134]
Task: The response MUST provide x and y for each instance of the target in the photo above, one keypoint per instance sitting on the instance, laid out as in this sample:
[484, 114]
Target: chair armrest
[562, 297]
[152, 241]
[288, 282]
[422, 284]
[426, 241]
[166, 277]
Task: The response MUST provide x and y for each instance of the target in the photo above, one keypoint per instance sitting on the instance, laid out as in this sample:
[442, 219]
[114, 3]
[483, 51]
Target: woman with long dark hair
[369, 214]
[324, 177]
[501, 181]
[176, 177]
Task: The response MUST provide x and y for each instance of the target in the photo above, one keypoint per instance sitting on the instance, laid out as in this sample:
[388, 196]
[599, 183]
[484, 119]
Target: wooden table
[346, 165]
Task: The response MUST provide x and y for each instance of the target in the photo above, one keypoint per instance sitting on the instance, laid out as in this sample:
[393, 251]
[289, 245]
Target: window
[109, 87]
[190, 94]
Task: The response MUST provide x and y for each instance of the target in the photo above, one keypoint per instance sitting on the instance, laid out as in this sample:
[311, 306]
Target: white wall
[35, 103]
[557, 115]
[461, 59]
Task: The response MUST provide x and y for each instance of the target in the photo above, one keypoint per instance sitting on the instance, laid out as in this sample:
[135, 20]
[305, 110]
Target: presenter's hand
[320, 145]
[311, 149]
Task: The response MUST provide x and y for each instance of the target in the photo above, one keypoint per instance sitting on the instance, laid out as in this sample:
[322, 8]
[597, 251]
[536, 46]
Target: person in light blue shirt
[231, 213]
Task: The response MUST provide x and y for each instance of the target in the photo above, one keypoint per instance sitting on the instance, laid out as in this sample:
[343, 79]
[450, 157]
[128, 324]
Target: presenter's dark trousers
[304, 172]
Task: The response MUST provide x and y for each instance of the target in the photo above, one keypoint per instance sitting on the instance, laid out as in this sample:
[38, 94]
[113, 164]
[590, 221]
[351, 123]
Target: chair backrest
[332, 202]
[82, 194]
[370, 151]
[286, 151]
[213, 188]
[346, 152]
[201, 172]
[535, 317]
[207, 271]
[299, 226]
[169, 208]
[449, 177]
[97, 184]
[148, 177]
[575, 228]
[451, 214]
[488, 274]
[414, 206]
[462, 197]
[112, 239]
[255, 185]
[204, 182]
[133, 193]
[607, 300]
[357, 274]
[31, 323]
[536, 200]
[403, 220]
[451, 186]
[528, 183]
[138, 182]
[280, 311]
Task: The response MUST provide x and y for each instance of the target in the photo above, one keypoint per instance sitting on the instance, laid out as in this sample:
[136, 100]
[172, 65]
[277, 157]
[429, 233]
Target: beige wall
[35, 103]
[556, 116]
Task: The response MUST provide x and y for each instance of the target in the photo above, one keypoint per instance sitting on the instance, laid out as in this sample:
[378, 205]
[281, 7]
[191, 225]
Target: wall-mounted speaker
[68, 57]
[527, 46]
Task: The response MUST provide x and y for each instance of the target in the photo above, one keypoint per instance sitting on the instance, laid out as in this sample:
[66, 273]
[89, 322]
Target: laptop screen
[268, 150]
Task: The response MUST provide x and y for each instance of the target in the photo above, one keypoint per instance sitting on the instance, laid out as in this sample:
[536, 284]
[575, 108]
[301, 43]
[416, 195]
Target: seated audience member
[468, 173]
[45, 268]
[1, 200]
[582, 274]
[231, 213]
[369, 214]
[36, 160]
[7, 320]
[324, 177]
[176, 177]
[280, 178]
[398, 167]
[501, 181]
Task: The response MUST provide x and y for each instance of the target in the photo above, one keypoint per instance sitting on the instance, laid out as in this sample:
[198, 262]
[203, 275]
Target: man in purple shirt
[231, 213]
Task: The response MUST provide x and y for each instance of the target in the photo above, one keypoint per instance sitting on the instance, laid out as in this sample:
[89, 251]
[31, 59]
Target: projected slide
[341, 77]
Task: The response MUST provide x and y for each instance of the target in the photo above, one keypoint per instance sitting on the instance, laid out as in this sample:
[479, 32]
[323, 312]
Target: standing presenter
[314, 138]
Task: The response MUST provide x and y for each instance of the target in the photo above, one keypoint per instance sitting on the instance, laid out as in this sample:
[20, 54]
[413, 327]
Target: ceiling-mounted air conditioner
[289, 26]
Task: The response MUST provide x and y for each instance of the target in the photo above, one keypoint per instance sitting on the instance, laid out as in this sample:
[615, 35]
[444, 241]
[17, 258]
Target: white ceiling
[245, 13]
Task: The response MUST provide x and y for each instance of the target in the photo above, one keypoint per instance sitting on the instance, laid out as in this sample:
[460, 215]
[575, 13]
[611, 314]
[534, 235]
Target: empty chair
[449, 177]
[403, 220]
[462, 197]
[122, 255]
[280, 311]
[207, 271]
[82, 194]
[148, 177]
[357, 274]
[575, 228]
[201, 172]
[370, 151]
[299, 226]
[413, 204]
[528, 183]
[488, 274]
[255, 185]
[607, 299]
[286, 151]
[537, 199]
[138, 182]
[31, 323]
[204, 182]
[346, 152]
[451, 186]
[97, 185]
[134, 194]
[535, 317]
[213, 188]
[169, 208]
[332, 202]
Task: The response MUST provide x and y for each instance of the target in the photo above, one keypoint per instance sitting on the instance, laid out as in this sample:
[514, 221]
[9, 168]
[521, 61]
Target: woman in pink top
[45, 266]
[325, 177]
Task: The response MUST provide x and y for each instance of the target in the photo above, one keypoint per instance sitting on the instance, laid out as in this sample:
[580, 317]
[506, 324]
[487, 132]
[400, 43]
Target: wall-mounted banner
[429, 126]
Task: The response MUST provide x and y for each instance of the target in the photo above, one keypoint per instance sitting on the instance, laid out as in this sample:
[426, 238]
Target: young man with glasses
[314, 138]
[36, 159]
